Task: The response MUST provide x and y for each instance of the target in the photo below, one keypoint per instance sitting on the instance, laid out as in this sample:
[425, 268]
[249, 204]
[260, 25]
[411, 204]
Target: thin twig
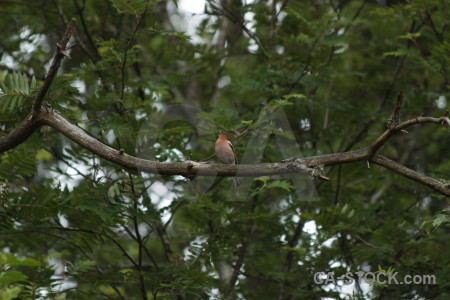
[59, 55]
[395, 116]
[290, 255]
[125, 253]
[283, 6]
[372, 245]
[438, 35]
[251, 226]
[127, 47]
[138, 237]
[85, 29]
[237, 20]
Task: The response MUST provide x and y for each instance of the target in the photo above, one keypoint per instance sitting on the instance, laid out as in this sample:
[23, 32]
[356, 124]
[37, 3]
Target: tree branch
[59, 54]
[240, 22]
[440, 186]
[251, 227]
[189, 169]
[401, 126]
[127, 47]
[19, 135]
[85, 29]
[290, 256]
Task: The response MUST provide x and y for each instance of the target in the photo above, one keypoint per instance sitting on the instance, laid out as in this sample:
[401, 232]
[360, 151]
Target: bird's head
[223, 134]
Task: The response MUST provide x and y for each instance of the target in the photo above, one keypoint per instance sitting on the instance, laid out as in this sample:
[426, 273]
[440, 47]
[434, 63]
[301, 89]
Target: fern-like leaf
[17, 164]
[15, 88]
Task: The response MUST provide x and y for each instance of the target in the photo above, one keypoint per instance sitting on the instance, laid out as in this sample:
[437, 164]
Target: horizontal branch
[188, 169]
[50, 117]
[309, 165]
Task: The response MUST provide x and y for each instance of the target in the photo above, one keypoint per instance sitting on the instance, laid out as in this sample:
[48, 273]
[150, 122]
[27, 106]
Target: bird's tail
[236, 182]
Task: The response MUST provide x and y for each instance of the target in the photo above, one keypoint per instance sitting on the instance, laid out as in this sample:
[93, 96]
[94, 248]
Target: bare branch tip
[65, 54]
[60, 53]
[395, 116]
[70, 46]
[445, 118]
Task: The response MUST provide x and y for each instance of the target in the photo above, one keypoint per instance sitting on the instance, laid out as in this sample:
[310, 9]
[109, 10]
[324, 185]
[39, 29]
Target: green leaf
[33, 84]
[82, 266]
[264, 179]
[16, 82]
[10, 292]
[133, 7]
[282, 184]
[43, 154]
[21, 84]
[14, 99]
[440, 219]
[2, 87]
[9, 79]
[114, 190]
[279, 102]
[298, 250]
[395, 53]
[410, 35]
[289, 96]
[26, 86]
[25, 262]
[12, 276]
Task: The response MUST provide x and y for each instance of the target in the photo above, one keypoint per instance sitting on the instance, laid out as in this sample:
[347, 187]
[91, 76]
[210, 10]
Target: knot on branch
[63, 50]
[296, 164]
[445, 119]
[291, 159]
[48, 107]
[418, 118]
[318, 172]
[446, 183]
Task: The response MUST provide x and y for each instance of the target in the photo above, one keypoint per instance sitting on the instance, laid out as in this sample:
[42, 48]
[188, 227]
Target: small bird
[225, 152]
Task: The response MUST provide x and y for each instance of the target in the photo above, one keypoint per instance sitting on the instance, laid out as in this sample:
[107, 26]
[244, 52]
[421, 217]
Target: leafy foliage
[284, 78]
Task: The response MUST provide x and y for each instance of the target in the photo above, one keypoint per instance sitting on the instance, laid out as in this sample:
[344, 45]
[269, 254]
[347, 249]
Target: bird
[226, 154]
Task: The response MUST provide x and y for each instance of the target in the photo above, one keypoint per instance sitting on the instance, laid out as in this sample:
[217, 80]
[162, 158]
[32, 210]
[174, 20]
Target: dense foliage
[284, 78]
